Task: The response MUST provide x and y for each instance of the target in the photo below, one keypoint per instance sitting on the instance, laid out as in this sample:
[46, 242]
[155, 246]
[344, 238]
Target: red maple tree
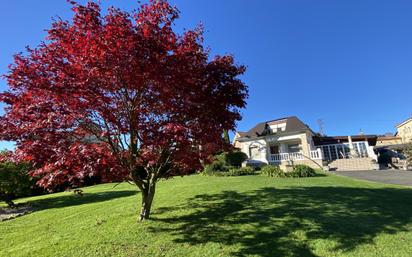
[121, 96]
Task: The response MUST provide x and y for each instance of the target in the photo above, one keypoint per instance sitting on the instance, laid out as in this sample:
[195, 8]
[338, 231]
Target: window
[362, 149]
[325, 151]
[346, 150]
[276, 128]
[295, 148]
[341, 151]
[333, 152]
[274, 149]
[356, 151]
[254, 152]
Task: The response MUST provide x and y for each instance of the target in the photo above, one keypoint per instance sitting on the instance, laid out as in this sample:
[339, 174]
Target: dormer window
[276, 127]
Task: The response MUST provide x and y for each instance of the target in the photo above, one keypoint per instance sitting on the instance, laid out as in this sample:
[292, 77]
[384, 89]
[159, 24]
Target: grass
[219, 216]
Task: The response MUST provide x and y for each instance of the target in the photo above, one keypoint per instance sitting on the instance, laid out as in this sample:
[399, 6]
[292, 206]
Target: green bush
[225, 161]
[232, 172]
[228, 164]
[272, 171]
[15, 182]
[302, 171]
[299, 171]
[216, 167]
[243, 171]
[235, 158]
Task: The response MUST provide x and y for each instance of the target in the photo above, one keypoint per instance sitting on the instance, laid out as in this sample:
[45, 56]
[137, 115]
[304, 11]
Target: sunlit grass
[219, 216]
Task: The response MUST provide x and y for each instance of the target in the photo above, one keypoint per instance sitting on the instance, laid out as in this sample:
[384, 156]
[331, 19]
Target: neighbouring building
[288, 141]
[404, 131]
[388, 140]
[236, 142]
[391, 149]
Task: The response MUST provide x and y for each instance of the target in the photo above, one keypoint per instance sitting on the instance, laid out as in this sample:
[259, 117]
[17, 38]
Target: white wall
[304, 139]
[262, 147]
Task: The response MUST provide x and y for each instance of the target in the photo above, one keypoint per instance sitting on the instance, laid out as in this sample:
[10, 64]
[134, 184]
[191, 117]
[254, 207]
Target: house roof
[384, 138]
[327, 140]
[241, 133]
[392, 147]
[404, 122]
[293, 124]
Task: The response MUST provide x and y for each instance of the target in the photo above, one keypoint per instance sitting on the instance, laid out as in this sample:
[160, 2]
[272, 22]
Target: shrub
[272, 171]
[218, 165]
[15, 181]
[209, 172]
[235, 158]
[302, 171]
[228, 164]
[225, 161]
[299, 171]
[243, 171]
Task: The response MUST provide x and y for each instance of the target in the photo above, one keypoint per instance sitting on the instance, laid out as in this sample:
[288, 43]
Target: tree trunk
[10, 202]
[147, 200]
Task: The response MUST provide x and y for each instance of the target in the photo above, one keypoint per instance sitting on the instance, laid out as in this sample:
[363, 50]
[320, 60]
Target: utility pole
[320, 124]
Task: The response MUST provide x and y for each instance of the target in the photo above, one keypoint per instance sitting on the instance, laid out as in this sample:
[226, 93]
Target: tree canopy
[121, 95]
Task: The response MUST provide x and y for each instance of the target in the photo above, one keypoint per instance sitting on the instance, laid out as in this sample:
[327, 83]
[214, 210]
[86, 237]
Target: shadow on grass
[281, 222]
[74, 199]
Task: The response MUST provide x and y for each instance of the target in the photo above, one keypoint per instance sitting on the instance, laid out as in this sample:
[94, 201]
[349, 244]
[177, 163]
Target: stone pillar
[283, 148]
[305, 145]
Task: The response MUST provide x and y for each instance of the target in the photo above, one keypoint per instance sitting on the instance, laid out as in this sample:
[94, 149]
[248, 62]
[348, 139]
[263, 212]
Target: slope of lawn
[219, 216]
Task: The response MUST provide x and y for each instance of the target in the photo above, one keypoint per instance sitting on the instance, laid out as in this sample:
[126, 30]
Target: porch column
[305, 145]
[283, 148]
[351, 150]
[370, 151]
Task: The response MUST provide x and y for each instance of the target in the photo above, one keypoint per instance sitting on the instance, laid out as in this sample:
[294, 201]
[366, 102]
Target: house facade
[388, 140]
[404, 131]
[288, 141]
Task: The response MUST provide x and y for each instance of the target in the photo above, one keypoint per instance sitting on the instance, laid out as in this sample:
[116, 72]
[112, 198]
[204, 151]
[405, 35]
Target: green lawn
[219, 216]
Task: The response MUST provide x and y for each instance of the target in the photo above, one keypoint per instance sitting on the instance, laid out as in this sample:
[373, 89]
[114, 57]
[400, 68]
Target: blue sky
[347, 62]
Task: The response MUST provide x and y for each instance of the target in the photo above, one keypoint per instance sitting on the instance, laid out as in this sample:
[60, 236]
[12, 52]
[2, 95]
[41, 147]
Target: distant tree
[121, 96]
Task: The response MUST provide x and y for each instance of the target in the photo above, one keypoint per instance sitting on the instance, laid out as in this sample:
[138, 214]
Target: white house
[288, 141]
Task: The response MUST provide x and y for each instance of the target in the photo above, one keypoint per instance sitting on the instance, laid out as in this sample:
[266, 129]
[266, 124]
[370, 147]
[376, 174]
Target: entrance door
[274, 149]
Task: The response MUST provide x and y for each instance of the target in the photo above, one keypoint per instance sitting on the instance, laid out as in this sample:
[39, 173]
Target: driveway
[396, 177]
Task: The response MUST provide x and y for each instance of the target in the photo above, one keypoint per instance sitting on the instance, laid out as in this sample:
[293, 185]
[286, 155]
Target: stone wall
[354, 164]
[313, 164]
[340, 164]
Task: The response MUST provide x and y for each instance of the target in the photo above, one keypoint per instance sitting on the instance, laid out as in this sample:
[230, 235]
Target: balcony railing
[315, 155]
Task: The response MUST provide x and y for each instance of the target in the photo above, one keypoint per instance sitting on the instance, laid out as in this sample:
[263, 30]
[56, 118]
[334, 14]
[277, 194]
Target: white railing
[285, 157]
[316, 155]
